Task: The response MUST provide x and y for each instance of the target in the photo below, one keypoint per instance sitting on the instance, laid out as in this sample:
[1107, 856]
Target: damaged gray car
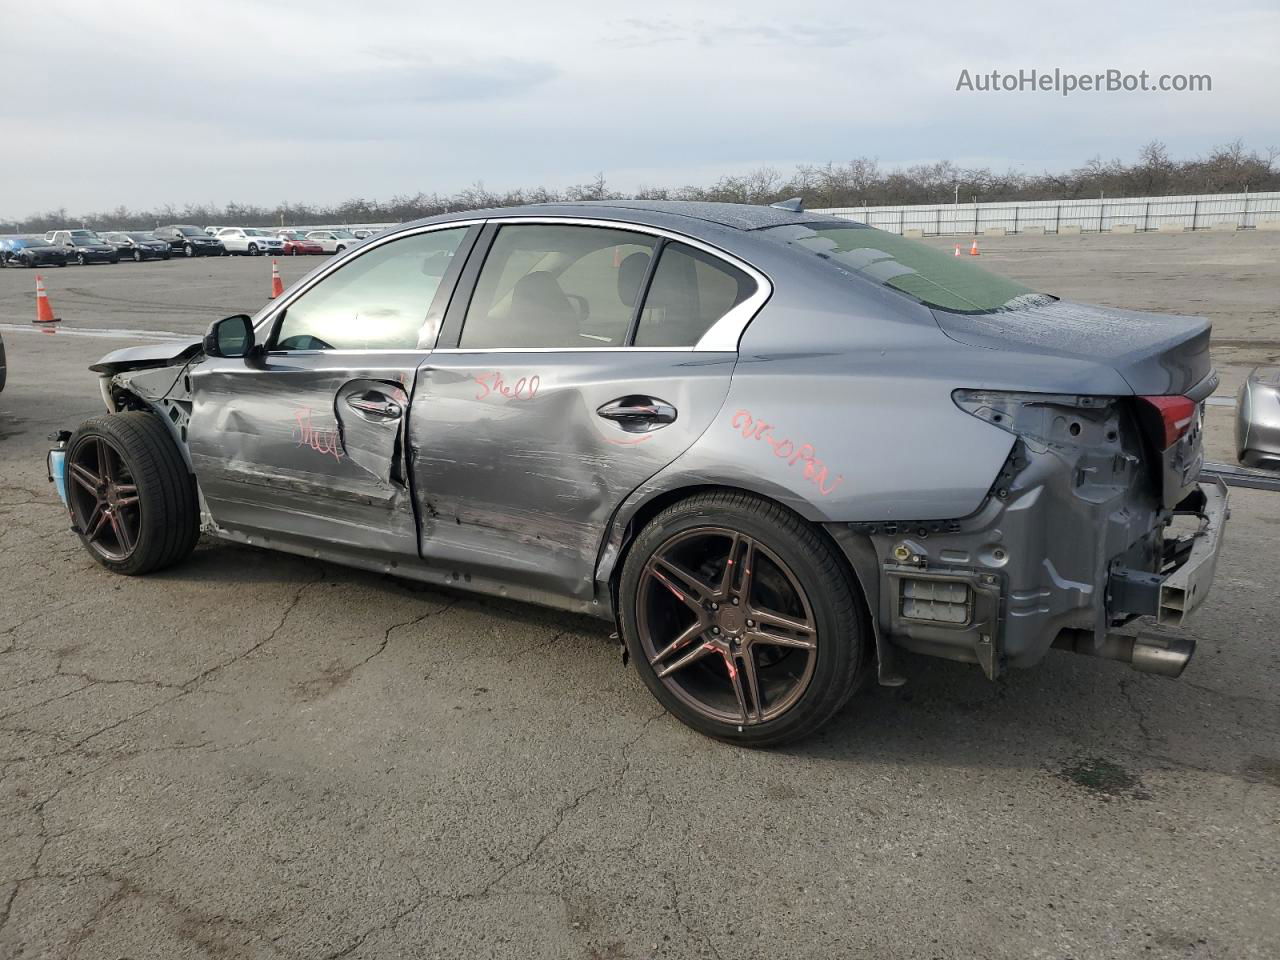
[775, 448]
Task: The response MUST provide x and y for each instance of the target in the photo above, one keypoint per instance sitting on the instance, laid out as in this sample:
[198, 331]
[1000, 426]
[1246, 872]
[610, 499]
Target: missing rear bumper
[1185, 588]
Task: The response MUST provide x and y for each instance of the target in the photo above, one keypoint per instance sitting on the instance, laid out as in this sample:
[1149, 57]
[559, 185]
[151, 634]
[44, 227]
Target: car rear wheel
[132, 500]
[742, 619]
[253, 250]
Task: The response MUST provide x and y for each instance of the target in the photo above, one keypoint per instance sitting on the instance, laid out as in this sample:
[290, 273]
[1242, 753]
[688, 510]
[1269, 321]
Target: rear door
[575, 363]
[305, 444]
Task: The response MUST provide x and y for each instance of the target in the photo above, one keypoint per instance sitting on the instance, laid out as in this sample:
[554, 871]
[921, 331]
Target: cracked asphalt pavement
[261, 756]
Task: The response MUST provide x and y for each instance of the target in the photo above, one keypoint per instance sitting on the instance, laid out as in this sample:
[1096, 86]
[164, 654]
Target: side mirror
[230, 337]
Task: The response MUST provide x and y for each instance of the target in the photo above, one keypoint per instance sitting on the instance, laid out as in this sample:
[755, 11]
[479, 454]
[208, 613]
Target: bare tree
[1230, 167]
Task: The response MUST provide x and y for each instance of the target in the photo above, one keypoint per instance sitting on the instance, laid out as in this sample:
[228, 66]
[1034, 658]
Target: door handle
[375, 405]
[637, 414]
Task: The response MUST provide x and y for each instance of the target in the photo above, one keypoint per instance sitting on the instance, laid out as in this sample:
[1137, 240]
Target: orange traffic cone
[973, 251]
[957, 249]
[277, 285]
[44, 312]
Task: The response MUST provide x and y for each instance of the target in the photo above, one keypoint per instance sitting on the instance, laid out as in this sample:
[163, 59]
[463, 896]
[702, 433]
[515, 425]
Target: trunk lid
[1155, 354]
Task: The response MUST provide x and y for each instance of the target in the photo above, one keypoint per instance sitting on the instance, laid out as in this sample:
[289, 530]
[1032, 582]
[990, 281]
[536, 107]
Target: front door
[306, 444]
[566, 376]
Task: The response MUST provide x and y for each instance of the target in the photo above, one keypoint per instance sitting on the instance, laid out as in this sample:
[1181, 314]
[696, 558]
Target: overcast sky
[140, 103]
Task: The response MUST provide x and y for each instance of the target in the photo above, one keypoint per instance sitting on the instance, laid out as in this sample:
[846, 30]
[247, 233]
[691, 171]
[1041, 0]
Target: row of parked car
[60, 247]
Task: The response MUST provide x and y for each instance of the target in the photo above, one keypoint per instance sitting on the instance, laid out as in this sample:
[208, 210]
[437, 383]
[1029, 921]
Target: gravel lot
[260, 756]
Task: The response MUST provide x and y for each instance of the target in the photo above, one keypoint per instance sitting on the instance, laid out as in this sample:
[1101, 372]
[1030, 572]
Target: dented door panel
[516, 470]
[281, 450]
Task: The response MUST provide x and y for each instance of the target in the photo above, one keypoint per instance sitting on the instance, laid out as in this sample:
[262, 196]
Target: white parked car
[250, 240]
[334, 241]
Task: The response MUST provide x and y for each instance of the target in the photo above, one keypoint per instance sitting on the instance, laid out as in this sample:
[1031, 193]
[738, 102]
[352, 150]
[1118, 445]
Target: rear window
[913, 269]
[690, 291]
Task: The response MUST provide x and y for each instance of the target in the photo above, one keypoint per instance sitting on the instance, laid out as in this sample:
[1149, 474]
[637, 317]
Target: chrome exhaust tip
[1164, 655]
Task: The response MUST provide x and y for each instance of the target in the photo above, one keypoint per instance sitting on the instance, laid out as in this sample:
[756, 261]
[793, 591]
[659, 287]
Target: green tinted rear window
[929, 276]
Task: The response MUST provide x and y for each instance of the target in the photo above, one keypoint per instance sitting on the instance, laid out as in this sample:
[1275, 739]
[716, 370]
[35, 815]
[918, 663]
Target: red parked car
[297, 246]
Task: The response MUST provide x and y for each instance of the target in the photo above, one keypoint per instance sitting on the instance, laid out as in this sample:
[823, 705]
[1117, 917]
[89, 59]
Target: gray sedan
[774, 448]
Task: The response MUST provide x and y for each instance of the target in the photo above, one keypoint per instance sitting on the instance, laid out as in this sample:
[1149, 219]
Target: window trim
[637, 308]
[721, 337]
[270, 318]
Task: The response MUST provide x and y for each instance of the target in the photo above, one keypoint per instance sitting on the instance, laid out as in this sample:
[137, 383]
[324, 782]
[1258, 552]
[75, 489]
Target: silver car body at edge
[997, 452]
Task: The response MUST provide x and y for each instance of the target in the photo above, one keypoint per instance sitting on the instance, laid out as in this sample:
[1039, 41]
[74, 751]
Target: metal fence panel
[1199, 212]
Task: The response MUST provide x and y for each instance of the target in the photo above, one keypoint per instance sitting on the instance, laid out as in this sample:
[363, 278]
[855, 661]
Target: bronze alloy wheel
[726, 626]
[104, 498]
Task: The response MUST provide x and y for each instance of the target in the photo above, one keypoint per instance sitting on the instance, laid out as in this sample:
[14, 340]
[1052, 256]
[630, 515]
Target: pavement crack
[189, 686]
[563, 812]
[47, 700]
[386, 636]
[1140, 717]
[683, 921]
[254, 648]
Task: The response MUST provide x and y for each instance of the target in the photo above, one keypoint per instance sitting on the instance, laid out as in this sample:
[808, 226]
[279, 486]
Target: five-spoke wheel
[130, 494]
[743, 619]
[104, 499]
[726, 625]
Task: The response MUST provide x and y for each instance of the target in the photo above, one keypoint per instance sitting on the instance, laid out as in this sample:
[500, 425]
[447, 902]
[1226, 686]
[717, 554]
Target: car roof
[678, 214]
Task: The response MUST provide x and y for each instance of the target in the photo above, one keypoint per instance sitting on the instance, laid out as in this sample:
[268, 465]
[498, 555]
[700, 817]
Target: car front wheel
[132, 501]
[189, 250]
[137, 256]
[80, 259]
[742, 619]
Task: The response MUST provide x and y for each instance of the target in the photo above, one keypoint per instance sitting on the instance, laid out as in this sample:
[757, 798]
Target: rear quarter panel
[841, 438]
[841, 402]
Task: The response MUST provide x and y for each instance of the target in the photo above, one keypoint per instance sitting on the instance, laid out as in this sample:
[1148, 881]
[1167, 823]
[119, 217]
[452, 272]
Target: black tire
[168, 518]
[115, 259]
[252, 250]
[80, 260]
[137, 256]
[841, 658]
[189, 250]
[340, 249]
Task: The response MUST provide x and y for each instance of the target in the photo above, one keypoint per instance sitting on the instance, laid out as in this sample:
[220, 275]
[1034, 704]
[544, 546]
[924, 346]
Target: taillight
[1176, 413]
